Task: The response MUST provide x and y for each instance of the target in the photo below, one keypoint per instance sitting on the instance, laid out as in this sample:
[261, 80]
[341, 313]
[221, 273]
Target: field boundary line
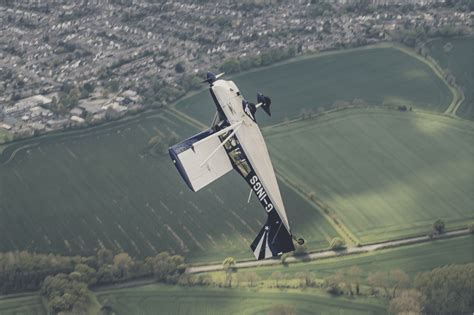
[186, 118]
[341, 228]
[458, 96]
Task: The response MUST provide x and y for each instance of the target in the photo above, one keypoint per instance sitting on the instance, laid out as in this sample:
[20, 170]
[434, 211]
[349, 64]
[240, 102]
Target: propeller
[211, 77]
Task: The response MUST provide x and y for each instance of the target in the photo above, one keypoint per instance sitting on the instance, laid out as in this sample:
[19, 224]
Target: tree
[407, 302]
[337, 243]
[252, 278]
[105, 274]
[105, 257]
[448, 289]
[300, 250]
[179, 67]
[333, 284]
[438, 227]
[165, 267]
[354, 275]
[400, 280]
[379, 279]
[64, 293]
[86, 274]
[277, 276]
[122, 264]
[231, 65]
[307, 278]
[228, 265]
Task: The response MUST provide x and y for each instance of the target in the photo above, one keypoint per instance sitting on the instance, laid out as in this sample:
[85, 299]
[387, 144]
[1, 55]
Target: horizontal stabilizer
[273, 239]
[265, 101]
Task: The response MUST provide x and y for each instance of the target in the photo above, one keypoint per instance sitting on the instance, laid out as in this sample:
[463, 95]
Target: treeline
[65, 280]
[159, 144]
[444, 290]
[414, 36]
[235, 65]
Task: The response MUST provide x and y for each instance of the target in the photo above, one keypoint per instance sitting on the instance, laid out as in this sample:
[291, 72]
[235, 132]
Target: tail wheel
[300, 241]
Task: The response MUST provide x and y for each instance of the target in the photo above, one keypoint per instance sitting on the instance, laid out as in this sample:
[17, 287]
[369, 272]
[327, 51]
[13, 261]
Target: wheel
[300, 241]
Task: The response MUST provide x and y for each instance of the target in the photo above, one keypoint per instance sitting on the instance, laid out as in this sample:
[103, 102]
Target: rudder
[273, 239]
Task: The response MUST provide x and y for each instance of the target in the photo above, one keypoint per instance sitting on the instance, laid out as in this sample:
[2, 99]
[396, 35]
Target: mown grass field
[384, 174]
[456, 54]
[379, 76]
[75, 193]
[179, 300]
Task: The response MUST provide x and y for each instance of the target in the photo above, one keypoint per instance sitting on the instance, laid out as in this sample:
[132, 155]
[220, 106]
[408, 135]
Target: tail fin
[273, 239]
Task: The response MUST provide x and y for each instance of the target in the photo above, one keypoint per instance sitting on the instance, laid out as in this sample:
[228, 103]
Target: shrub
[337, 243]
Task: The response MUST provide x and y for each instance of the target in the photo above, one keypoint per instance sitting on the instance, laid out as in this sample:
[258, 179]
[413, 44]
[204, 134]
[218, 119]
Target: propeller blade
[211, 77]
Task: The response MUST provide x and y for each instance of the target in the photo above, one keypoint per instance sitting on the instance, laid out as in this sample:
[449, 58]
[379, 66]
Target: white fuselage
[250, 138]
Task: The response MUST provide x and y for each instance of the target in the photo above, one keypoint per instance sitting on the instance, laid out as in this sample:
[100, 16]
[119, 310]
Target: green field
[456, 54]
[178, 300]
[163, 299]
[381, 76]
[30, 305]
[385, 174]
[75, 193]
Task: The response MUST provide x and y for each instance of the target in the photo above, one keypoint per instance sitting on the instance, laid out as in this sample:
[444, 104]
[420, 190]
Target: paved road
[327, 253]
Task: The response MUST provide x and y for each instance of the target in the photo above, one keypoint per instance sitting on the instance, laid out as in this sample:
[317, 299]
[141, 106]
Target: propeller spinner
[211, 77]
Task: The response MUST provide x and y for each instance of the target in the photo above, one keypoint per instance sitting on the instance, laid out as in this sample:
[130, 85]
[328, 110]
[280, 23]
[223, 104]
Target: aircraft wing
[188, 155]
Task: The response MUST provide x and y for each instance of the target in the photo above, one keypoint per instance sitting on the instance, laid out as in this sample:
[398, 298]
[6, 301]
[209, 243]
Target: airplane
[234, 141]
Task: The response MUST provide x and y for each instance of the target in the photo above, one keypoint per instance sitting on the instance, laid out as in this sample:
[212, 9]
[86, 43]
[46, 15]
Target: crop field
[180, 300]
[30, 305]
[456, 54]
[384, 174]
[379, 76]
[75, 193]
[411, 259]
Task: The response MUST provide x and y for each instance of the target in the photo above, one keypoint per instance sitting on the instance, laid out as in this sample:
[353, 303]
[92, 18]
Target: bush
[337, 243]
[438, 226]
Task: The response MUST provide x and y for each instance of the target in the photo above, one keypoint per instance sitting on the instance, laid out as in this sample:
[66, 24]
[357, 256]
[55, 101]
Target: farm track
[186, 118]
[458, 96]
[340, 228]
[330, 253]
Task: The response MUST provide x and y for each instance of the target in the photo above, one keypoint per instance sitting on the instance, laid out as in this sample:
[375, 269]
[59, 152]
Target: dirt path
[329, 253]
